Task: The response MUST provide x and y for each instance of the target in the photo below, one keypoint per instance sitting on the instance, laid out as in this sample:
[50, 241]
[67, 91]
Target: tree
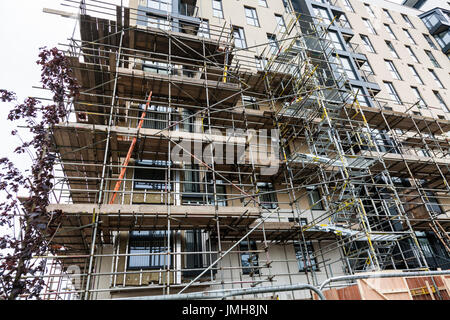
[19, 270]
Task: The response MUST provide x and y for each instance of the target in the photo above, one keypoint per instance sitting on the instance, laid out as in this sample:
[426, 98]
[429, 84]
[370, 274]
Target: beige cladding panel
[376, 60]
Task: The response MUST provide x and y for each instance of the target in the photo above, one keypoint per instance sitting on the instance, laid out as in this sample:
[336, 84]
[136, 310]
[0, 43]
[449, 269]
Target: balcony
[436, 20]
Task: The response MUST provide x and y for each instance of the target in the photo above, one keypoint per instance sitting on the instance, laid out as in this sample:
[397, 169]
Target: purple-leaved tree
[19, 270]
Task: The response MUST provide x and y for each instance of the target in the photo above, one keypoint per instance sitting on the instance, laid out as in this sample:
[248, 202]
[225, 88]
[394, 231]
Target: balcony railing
[355, 48]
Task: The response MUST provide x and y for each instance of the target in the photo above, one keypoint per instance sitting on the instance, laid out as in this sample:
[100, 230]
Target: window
[425, 245]
[286, 6]
[333, 37]
[250, 102]
[367, 44]
[432, 203]
[239, 38]
[273, 43]
[343, 22]
[389, 30]
[158, 22]
[408, 22]
[323, 14]
[164, 5]
[369, 26]
[261, 63]
[441, 101]
[383, 141]
[156, 67]
[436, 79]
[280, 23]
[155, 117]
[392, 49]
[430, 42]
[408, 35]
[151, 174]
[188, 123]
[421, 102]
[217, 8]
[220, 191]
[314, 198]
[442, 38]
[349, 71]
[362, 99]
[203, 29]
[251, 16]
[191, 183]
[267, 195]
[309, 257]
[392, 93]
[153, 243]
[411, 53]
[262, 3]
[348, 6]
[392, 69]
[195, 241]
[249, 260]
[415, 74]
[366, 70]
[432, 59]
[388, 15]
[369, 10]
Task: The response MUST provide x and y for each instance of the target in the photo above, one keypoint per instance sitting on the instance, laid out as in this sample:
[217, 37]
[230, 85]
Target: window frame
[441, 101]
[415, 74]
[282, 27]
[409, 36]
[217, 10]
[254, 16]
[310, 257]
[249, 260]
[422, 103]
[311, 191]
[433, 60]
[392, 49]
[392, 92]
[369, 26]
[263, 3]
[393, 70]
[348, 6]
[367, 44]
[240, 40]
[388, 15]
[429, 41]
[408, 21]
[412, 54]
[369, 10]
[436, 79]
[267, 195]
[390, 31]
[273, 43]
[152, 172]
[154, 245]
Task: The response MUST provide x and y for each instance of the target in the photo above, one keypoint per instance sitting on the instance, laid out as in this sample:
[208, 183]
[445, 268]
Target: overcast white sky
[24, 28]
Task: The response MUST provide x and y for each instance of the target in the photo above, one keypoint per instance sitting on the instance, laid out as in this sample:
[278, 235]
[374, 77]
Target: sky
[24, 28]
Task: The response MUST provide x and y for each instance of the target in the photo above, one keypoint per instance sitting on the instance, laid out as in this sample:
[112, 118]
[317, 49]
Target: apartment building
[235, 144]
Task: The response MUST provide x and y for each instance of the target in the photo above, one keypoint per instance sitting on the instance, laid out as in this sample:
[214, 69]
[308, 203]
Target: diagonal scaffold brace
[130, 151]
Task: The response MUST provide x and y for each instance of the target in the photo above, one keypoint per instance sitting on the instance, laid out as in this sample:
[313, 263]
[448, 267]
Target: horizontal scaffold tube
[221, 294]
[385, 275]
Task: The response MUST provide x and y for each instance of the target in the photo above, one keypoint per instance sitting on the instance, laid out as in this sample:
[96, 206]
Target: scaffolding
[355, 182]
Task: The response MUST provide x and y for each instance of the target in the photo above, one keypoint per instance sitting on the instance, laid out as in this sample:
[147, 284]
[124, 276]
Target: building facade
[234, 144]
